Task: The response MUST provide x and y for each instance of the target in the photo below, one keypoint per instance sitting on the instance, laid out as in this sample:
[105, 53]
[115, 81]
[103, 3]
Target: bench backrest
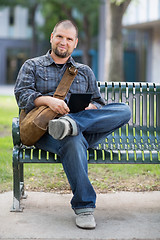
[143, 130]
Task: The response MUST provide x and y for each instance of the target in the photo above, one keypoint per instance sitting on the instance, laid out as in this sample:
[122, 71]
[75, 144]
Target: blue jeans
[93, 126]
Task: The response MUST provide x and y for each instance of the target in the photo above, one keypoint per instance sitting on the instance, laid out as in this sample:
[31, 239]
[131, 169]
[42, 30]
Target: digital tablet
[79, 101]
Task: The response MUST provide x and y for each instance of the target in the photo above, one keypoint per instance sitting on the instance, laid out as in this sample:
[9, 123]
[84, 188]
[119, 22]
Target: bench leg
[17, 185]
[22, 192]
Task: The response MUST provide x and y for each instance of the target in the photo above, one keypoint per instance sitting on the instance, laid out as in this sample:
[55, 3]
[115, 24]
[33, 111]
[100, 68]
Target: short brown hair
[66, 24]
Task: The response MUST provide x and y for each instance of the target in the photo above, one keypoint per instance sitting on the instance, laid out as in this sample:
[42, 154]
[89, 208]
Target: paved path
[121, 215]
[6, 90]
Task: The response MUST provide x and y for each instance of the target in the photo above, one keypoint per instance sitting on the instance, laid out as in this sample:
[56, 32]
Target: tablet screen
[79, 101]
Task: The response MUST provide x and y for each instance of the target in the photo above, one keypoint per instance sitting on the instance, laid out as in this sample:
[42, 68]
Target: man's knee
[120, 111]
[126, 111]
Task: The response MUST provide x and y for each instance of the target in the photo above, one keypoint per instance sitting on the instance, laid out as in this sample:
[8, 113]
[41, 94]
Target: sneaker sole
[56, 129]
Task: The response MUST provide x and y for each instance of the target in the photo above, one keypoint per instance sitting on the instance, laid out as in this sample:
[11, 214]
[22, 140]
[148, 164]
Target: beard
[61, 54]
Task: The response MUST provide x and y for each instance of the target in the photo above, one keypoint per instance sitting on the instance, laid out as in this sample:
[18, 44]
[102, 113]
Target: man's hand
[91, 106]
[57, 105]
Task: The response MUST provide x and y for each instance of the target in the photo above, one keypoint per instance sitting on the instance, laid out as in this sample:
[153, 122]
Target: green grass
[51, 177]
[5, 163]
[8, 110]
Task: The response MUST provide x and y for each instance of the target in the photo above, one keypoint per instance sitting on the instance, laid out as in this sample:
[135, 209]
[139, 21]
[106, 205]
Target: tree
[114, 45]
[32, 6]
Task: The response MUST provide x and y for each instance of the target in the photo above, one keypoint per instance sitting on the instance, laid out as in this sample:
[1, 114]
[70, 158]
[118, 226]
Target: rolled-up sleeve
[25, 87]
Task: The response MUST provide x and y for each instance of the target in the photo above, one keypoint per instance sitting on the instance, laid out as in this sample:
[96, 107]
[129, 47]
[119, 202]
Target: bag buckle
[72, 70]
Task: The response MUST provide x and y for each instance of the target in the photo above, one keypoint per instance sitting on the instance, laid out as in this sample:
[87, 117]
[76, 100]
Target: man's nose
[63, 41]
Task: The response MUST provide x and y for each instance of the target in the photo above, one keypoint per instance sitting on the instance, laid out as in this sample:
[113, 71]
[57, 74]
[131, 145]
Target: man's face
[63, 41]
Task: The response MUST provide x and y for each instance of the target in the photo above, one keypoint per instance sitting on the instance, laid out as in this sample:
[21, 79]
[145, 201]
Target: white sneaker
[86, 220]
[62, 127]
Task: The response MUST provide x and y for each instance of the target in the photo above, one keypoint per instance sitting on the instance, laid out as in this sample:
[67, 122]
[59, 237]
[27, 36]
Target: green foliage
[7, 2]
[51, 17]
[24, 3]
[56, 10]
[85, 7]
[117, 2]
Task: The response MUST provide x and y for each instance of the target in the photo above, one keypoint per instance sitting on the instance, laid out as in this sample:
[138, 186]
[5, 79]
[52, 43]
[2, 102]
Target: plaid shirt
[40, 77]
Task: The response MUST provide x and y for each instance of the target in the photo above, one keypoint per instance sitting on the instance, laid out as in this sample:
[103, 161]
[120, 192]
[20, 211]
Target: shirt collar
[71, 61]
[46, 60]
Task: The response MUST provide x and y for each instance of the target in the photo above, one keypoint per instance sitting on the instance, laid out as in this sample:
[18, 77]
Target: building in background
[15, 41]
[142, 38]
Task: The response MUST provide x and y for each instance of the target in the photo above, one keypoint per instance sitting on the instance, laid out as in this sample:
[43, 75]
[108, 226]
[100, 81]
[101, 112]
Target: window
[11, 16]
[15, 58]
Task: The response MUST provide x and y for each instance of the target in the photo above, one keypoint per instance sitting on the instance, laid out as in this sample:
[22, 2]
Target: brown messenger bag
[34, 124]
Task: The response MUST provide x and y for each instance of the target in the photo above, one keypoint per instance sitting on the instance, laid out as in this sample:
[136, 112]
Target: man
[70, 135]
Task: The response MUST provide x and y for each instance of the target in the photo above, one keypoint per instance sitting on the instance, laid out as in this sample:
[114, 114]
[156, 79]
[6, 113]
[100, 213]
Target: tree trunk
[86, 41]
[34, 43]
[114, 45]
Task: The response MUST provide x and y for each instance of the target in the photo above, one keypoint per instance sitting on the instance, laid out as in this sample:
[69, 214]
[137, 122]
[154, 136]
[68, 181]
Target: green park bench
[138, 142]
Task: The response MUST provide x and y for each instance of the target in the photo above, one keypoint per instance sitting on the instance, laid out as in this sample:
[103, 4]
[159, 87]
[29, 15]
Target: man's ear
[76, 43]
[51, 37]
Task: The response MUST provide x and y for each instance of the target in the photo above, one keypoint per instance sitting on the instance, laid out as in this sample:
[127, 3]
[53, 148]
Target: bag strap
[65, 82]
[61, 90]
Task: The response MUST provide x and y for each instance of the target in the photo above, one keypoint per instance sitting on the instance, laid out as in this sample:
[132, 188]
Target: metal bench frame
[138, 142]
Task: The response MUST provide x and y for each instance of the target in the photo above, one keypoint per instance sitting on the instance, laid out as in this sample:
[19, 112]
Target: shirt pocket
[79, 85]
[42, 80]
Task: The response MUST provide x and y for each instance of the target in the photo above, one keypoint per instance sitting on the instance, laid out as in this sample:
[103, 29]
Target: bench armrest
[16, 132]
